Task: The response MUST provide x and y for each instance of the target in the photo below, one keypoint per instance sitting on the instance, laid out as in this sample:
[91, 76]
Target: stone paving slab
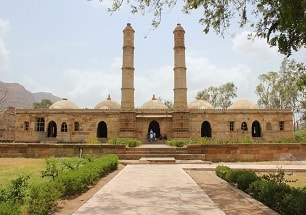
[150, 189]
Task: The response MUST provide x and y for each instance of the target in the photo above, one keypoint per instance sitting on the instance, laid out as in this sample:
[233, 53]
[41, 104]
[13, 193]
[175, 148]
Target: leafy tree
[219, 96]
[285, 89]
[44, 104]
[282, 23]
[168, 103]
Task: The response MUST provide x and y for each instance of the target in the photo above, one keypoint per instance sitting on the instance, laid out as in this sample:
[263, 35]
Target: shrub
[42, 197]
[76, 181]
[124, 141]
[243, 178]
[10, 208]
[178, 143]
[224, 172]
[92, 139]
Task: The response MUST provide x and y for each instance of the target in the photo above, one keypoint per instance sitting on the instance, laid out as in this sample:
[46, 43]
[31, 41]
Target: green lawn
[10, 168]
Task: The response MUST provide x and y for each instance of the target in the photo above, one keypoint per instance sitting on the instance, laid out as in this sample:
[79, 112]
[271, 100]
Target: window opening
[244, 126]
[232, 124]
[40, 124]
[64, 127]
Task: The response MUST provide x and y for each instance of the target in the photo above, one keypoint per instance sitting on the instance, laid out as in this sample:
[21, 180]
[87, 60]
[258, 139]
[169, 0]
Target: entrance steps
[161, 152]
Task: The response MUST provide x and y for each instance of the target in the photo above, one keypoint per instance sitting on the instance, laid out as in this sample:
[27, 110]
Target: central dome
[243, 104]
[154, 104]
[108, 104]
[200, 104]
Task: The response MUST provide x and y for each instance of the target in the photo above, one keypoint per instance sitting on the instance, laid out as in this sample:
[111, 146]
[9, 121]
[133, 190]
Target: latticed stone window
[76, 126]
[232, 125]
[281, 125]
[64, 127]
[244, 126]
[26, 126]
[40, 124]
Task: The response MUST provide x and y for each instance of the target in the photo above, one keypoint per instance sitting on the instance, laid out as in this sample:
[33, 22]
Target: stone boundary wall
[42, 150]
[215, 153]
[250, 152]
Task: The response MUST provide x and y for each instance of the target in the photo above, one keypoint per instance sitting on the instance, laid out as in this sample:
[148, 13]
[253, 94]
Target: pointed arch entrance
[205, 129]
[52, 129]
[256, 131]
[102, 130]
[154, 126]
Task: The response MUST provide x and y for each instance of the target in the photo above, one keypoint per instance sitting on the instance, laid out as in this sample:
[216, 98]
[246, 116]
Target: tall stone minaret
[127, 90]
[180, 119]
[180, 89]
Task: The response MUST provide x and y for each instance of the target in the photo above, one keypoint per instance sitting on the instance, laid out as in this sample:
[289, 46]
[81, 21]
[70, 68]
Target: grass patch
[10, 168]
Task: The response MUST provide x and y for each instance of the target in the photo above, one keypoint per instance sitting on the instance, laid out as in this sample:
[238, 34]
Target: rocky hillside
[18, 96]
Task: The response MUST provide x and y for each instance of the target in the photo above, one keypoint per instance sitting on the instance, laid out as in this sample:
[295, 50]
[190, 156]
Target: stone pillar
[180, 88]
[127, 90]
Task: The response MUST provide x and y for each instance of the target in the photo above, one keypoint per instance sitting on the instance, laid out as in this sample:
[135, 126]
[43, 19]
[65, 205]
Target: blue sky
[73, 49]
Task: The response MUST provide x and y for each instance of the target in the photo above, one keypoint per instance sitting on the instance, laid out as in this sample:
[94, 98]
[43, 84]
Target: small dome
[63, 104]
[108, 104]
[200, 104]
[154, 104]
[243, 104]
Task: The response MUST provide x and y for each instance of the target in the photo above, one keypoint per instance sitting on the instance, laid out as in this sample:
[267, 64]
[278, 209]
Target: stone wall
[215, 153]
[250, 152]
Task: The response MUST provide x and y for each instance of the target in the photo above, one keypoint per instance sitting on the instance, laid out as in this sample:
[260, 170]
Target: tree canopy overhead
[281, 22]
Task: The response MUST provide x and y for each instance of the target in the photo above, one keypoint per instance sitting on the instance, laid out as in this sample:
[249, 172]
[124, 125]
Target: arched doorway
[52, 129]
[205, 129]
[256, 129]
[102, 130]
[154, 126]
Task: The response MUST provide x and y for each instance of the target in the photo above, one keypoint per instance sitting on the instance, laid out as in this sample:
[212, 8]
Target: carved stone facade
[65, 123]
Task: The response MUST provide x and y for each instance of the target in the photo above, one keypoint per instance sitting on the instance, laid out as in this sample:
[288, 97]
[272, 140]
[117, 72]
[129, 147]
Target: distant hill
[18, 96]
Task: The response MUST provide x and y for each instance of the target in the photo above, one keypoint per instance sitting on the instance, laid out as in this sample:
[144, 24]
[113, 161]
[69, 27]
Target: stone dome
[108, 104]
[63, 104]
[154, 104]
[243, 104]
[200, 104]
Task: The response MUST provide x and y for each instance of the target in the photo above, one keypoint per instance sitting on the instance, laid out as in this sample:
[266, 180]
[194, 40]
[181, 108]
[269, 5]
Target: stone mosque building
[64, 122]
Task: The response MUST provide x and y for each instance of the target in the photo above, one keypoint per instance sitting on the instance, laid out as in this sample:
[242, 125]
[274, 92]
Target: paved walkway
[148, 189]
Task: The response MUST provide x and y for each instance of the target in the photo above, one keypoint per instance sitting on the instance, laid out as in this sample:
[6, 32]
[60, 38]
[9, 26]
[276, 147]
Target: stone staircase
[154, 153]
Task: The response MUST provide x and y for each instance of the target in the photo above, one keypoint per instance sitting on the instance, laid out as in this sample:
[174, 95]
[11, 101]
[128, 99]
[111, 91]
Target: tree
[219, 96]
[168, 103]
[281, 22]
[283, 90]
[44, 104]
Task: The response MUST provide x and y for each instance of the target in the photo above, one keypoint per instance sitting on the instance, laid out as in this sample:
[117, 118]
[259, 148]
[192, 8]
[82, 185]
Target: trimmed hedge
[271, 192]
[41, 198]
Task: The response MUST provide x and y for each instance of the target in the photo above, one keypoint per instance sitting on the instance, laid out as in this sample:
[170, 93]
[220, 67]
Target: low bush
[177, 143]
[42, 197]
[68, 177]
[269, 189]
[243, 178]
[76, 181]
[224, 172]
[124, 141]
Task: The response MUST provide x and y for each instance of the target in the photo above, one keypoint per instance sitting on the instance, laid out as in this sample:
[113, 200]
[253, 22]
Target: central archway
[102, 130]
[154, 126]
[205, 129]
[52, 129]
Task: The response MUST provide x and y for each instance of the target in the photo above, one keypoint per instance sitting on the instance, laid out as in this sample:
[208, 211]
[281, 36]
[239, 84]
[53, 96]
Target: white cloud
[201, 74]
[4, 27]
[256, 48]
